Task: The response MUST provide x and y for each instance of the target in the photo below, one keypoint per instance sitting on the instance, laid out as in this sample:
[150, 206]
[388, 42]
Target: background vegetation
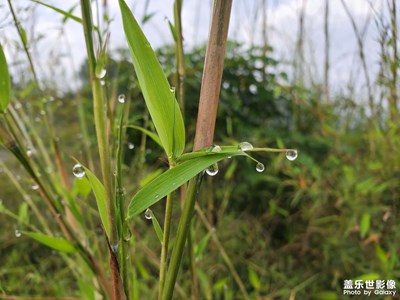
[295, 231]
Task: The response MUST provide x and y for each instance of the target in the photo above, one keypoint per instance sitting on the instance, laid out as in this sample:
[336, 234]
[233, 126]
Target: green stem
[100, 118]
[180, 59]
[183, 228]
[120, 197]
[165, 242]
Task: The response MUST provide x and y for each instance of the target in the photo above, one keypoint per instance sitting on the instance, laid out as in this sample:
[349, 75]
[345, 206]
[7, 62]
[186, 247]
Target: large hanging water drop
[245, 146]
[291, 154]
[212, 170]
[78, 170]
[260, 167]
[148, 214]
[121, 98]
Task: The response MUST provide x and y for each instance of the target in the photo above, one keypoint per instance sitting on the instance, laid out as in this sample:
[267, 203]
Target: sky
[60, 44]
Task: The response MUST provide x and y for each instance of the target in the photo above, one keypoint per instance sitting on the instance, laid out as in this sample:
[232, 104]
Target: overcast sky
[57, 40]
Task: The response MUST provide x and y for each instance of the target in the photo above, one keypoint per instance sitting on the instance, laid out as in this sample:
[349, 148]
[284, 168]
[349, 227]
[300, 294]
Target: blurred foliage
[297, 230]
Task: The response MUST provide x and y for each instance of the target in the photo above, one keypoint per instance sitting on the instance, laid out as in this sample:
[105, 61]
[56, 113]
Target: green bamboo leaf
[5, 82]
[100, 195]
[172, 179]
[156, 225]
[150, 134]
[160, 101]
[52, 242]
[173, 30]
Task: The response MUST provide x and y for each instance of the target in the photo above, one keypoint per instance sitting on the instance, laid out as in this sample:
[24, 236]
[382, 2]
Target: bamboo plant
[115, 208]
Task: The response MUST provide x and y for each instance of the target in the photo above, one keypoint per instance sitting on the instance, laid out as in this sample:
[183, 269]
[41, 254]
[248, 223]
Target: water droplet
[245, 146]
[121, 191]
[78, 170]
[35, 187]
[127, 234]
[102, 82]
[121, 98]
[18, 233]
[29, 151]
[115, 172]
[42, 112]
[212, 170]
[131, 146]
[101, 73]
[216, 148]
[260, 167]
[172, 89]
[291, 154]
[114, 247]
[148, 214]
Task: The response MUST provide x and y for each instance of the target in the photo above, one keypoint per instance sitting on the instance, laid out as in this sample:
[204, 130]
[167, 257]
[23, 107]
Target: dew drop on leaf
[78, 170]
[216, 148]
[245, 146]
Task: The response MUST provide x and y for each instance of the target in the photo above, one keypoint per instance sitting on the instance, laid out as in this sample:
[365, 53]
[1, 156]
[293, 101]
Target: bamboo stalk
[208, 105]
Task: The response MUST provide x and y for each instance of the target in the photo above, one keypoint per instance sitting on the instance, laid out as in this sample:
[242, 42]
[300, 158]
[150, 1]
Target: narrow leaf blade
[52, 242]
[150, 134]
[5, 82]
[63, 12]
[160, 101]
[100, 195]
[172, 179]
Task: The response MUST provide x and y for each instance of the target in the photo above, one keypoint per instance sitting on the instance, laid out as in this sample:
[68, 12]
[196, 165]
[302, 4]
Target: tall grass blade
[5, 82]
[63, 12]
[52, 242]
[160, 100]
